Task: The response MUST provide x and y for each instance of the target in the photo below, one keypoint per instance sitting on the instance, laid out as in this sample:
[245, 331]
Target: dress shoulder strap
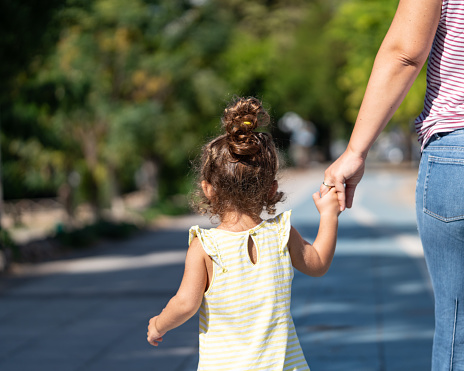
[282, 221]
[208, 243]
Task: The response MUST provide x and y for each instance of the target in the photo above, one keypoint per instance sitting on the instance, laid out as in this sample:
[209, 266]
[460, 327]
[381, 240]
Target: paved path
[373, 311]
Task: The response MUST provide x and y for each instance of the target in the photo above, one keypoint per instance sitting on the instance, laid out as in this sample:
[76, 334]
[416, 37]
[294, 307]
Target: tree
[27, 28]
[126, 84]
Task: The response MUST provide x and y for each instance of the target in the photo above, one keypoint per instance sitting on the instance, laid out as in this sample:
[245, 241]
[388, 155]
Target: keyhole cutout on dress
[252, 252]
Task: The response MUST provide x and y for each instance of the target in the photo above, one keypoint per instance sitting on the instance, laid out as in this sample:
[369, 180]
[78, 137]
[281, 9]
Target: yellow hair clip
[247, 122]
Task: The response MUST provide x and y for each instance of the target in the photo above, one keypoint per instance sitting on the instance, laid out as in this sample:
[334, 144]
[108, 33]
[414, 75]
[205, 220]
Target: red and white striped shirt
[444, 97]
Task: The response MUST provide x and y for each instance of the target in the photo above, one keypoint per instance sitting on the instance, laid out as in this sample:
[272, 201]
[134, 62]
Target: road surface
[373, 311]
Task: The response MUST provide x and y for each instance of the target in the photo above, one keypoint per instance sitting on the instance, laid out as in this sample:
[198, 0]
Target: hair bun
[240, 119]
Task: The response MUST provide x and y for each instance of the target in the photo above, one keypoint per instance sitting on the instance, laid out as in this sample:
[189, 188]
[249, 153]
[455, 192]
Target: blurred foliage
[369, 21]
[106, 96]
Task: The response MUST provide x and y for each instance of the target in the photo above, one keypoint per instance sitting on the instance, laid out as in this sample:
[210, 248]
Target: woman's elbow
[404, 53]
[411, 59]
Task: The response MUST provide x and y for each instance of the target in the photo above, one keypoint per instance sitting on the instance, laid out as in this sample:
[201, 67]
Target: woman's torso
[444, 99]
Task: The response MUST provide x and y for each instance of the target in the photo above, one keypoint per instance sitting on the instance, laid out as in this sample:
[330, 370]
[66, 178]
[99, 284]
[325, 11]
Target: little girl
[240, 273]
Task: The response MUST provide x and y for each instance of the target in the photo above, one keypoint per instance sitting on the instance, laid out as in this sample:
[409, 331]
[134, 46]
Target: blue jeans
[440, 218]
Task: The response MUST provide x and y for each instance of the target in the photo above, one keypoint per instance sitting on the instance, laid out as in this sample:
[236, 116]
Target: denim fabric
[440, 217]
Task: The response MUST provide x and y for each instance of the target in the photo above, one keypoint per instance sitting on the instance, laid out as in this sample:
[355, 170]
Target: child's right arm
[314, 260]
[188, 298]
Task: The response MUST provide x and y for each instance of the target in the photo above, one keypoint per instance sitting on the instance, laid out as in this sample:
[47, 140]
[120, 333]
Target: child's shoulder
[281, 219]
[196, 232]
[283, 215]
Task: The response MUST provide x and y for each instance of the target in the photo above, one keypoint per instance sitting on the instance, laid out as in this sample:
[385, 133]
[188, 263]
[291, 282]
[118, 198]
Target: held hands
[154, 337]
[327, 204]
[343, 176]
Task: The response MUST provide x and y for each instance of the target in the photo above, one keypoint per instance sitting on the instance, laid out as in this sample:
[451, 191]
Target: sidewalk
[373, 311]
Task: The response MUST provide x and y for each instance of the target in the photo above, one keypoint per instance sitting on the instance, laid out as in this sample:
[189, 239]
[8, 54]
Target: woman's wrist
[355, 152]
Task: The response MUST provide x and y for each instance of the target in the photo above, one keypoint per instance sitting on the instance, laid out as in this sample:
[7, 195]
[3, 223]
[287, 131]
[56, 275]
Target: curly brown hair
[241, 165]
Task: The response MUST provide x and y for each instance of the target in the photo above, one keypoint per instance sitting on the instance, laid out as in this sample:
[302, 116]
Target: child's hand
[153, 335]
[327, 204]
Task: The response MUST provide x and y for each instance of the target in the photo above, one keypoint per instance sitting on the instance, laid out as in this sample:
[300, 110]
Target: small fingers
[151, 342]
[323, 190]
[154, 342]
[319, 195]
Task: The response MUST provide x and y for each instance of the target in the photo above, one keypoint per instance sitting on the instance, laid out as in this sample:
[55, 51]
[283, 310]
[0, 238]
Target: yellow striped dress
[245, 320]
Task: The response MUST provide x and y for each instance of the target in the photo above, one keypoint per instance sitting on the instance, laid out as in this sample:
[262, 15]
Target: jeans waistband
[438, 136]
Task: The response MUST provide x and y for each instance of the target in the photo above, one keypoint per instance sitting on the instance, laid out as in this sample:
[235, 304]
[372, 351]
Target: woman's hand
[344, 174]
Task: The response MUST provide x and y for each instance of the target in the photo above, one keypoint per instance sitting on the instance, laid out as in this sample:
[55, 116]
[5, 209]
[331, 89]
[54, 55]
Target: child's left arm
[188, 298]
[315, 259]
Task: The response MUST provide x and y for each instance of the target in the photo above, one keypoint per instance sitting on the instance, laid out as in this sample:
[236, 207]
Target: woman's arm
[188, 298]
[398, 62]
